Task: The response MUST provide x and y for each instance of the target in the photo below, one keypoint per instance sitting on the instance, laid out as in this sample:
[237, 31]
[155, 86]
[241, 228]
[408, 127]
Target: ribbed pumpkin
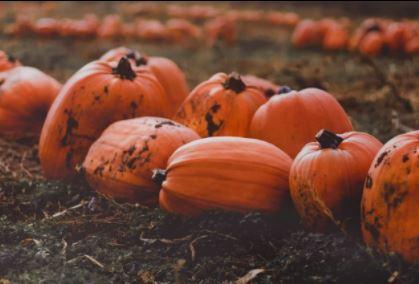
[327, 177]
[7, 62]
[120, 163]
[93, 98]
[390, 199]
[167, 72]
[26, 95]
[222, 106]
[291, 120]
[230, 173]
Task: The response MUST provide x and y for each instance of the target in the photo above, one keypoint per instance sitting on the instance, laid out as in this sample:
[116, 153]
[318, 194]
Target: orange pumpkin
[152, 30]
[111, 27]
[372, 44]
[120, 163]
[166, 71]
[390, 199]
[222, 28]
[97, 95]
[327, 177]
[291, 120]
[46, 27]
[87, 27]
[307, 33]
[223, 105]
[7, 61]
[230, 173]
[181, 30]
[23, 25]
[375, 26]
[335, 35]
[267, 87]
[25, 97]
[394, 36]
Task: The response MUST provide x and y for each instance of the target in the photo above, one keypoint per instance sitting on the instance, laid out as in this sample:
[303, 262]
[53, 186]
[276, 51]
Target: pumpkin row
[372, 37]
[91, 129]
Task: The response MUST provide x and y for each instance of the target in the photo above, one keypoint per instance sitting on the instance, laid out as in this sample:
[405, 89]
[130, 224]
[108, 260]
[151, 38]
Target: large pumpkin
[327, 177]
[167, 72]
[7, 62]
[96, 96]
[291, 120]
[26, 95]
[120, 163]
[222, 106]
[230, 173]
[390, 211]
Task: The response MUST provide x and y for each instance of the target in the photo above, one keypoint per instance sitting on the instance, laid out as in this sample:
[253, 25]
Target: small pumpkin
[327, 177]
[375, 26]
[291, 120]
[97, 95]
[307, 33]
[166, 71]
[111, 27]
[86, 27]
[222, 28]
[390, 199]
[120, 163]
[222, 106]
[335, 35]
[372, 44]
[46, 27]
[229, 173]
[7, 61]
[152, 30]
[181, 30]
[26, 95]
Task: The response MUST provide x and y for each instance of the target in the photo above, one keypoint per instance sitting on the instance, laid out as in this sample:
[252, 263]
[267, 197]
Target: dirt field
[51, 232]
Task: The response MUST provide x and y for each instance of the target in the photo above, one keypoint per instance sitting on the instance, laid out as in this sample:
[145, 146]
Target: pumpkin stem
[124, 69]
[159, 176]
[234, 83]
[11, 58]
[284, 90]
[328, 139]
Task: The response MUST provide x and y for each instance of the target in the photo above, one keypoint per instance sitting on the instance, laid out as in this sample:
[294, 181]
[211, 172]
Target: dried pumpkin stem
[159, 176]
[124, 69]
[234, 83]
[328, 139]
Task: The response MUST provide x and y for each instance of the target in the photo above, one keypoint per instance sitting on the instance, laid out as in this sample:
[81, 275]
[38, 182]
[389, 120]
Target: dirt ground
[52, 232]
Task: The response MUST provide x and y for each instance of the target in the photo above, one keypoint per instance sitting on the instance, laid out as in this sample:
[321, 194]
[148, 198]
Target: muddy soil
[52, 232]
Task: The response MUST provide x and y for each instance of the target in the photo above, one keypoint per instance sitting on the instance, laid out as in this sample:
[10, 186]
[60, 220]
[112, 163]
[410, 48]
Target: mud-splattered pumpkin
[26, 95]
[230, 173]
[97, 95]
[167, 72]
[389, 209]
[222, 106]
[291, 120]
[7, 62]
[327, 178]
[120, 163]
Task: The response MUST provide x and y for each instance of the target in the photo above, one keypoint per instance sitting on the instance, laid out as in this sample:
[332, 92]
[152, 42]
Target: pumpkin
[152, 30]
[390, 199]
[291, 120]
[368, 26]
[23, 25]
[372, 44]
[335, 35]
[166, 71]
[111, 27]
[86, 27]
[394, 36]
[120, 163]
[229, 173]
[222, 28]
[181, 30]
[97, 95]
[222, 106]
[327, 177]
[307, 33]
[7, 61]
[46, 27]
[267, 87]
[26, 94]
